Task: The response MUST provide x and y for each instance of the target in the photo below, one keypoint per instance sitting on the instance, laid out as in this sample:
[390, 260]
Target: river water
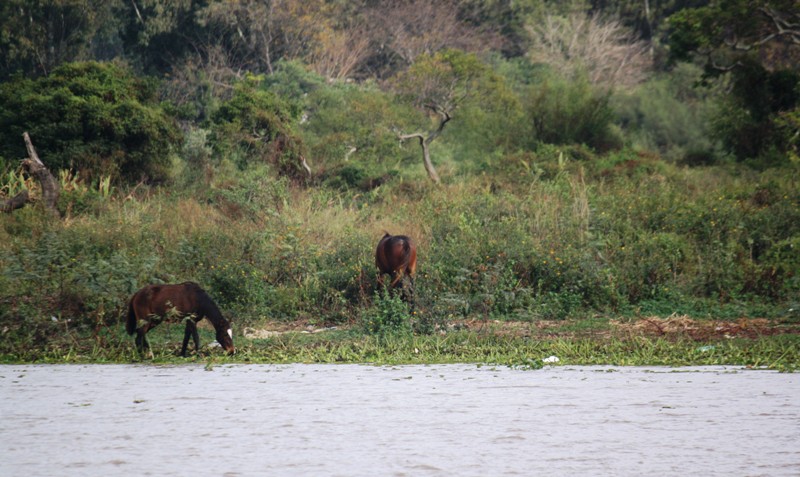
[354, 420]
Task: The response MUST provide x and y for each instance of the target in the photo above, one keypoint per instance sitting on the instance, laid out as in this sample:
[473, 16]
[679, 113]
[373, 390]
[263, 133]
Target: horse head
[225, 339]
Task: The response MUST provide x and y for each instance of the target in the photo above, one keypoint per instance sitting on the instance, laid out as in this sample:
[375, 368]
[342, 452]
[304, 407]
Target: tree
[509, 18]
[35, 37]
[726, 33]
[257, 125]
[580, 44]
[757, 45]
[96, 118]
[157, 34]
[255, 34]
[407, 29]
[440, 84]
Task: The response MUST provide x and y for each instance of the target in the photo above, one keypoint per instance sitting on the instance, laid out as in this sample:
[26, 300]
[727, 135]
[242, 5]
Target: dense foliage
[258, 152]
[95, 118]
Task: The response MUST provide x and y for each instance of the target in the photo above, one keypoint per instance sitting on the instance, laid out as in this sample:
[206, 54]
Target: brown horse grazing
[151, 305]
[396, 255]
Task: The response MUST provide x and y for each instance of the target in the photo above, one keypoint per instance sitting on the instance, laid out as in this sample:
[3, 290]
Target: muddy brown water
[437, 420]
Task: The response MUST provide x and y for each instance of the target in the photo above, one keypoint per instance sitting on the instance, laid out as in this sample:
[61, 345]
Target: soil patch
[702, 330]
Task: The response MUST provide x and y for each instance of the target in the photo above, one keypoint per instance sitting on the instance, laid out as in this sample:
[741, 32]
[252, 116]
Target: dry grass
[702, 330]
[673, 327]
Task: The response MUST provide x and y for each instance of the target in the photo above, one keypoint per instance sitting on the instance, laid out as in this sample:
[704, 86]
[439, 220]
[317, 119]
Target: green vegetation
[267, 172]
[94, 118]
[781, 352]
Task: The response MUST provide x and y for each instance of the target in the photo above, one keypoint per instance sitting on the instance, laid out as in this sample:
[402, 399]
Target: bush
[563, 112]
[95, 118]
[352, 134]
[255, 126]
[670, 115]
[389, 315]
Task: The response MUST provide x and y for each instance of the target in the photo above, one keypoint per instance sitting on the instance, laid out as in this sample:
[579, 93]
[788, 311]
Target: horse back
[396, 253]
[158, 300]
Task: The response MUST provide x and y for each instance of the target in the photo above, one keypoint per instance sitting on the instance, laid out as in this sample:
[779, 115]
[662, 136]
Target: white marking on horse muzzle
[230, 333]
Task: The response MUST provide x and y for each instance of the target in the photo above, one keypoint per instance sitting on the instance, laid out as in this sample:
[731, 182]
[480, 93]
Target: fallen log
[16, 202]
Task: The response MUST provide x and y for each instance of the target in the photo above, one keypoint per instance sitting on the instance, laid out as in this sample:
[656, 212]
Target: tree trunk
[426, 159]
[34, 167]
[426, 156]
[425, 143]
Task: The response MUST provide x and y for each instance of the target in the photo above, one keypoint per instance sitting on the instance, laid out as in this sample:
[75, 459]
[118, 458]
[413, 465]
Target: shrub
[351, 133]
[562, 112]
[95, 118]
[389, 315]
[670, 115]
[255, 126]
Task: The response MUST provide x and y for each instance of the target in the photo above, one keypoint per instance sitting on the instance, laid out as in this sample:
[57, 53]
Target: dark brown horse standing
[396, 255]
[151, 305]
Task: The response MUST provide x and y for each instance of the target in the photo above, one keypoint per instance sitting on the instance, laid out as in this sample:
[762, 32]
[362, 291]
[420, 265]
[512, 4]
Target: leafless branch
[604, 50]
[410, 28]
[16, 202]
[782, 25]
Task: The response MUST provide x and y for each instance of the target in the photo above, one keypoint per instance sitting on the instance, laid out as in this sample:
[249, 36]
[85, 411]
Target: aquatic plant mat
[672, 341]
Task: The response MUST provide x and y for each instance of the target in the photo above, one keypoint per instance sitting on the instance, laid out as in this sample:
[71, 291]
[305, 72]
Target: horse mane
[207, 307]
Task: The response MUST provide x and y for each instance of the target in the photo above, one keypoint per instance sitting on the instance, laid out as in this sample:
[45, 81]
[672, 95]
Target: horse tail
[130, 324]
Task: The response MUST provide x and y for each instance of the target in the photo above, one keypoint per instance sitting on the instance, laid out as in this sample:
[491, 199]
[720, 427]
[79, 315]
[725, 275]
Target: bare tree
[253, 34]
[341, 52]
[604, 50]
[425, 140]
[411, 28]
[243, 30]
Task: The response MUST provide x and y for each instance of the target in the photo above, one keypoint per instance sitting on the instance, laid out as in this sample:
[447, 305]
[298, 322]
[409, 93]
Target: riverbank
[673, 341]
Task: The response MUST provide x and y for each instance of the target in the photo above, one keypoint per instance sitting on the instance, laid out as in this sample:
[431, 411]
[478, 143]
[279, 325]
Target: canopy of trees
[522, 73]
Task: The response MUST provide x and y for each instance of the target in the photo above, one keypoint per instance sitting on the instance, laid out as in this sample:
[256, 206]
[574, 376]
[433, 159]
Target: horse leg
[397, 277]
[142, 344]
[195, 337]
[191, 330]
[410, 293]
[140, 341]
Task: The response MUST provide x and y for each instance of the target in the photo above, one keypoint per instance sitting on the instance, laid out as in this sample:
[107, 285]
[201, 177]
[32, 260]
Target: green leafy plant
[96, 118]
[389, 315]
